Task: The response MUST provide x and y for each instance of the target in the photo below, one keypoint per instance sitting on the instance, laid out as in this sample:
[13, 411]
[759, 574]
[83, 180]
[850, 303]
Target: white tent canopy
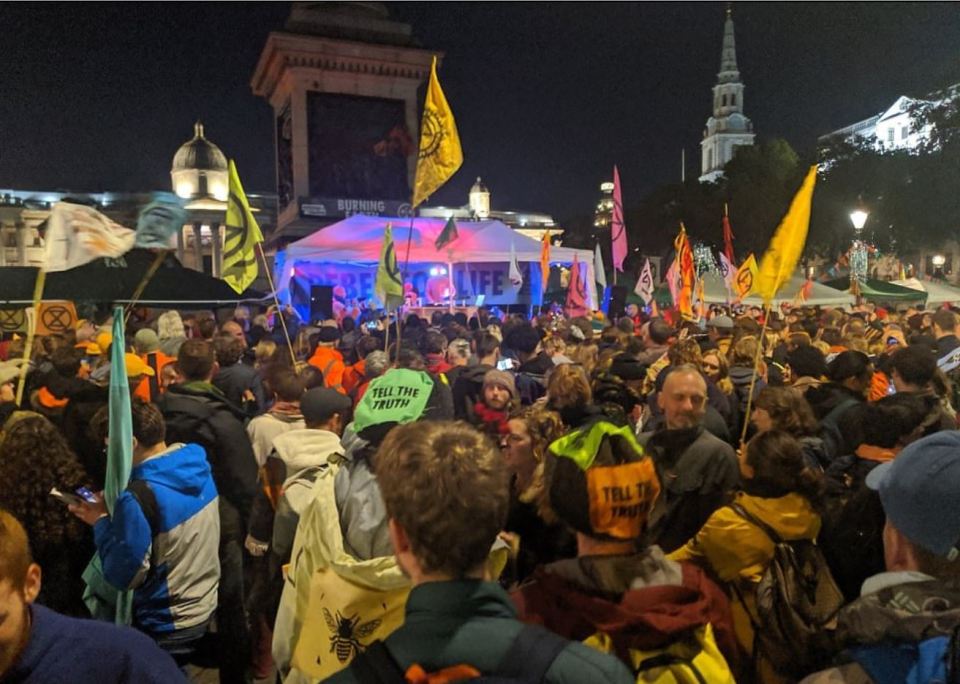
[357, 241]
[715, 292]
[937, 292]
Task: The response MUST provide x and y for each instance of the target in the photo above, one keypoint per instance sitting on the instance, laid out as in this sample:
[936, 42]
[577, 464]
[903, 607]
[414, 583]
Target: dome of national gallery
[199, 168]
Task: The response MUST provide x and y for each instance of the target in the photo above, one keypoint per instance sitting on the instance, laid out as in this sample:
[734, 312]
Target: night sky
[547, 96]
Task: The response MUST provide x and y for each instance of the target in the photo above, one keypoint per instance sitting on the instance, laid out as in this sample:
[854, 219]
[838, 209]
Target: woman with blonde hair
[531, 524]
[717, 370]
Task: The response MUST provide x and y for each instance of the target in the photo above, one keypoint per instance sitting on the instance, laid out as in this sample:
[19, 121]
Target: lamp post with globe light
[858, 252]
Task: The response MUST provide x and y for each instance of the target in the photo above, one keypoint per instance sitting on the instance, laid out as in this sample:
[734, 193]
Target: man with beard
[698, 471]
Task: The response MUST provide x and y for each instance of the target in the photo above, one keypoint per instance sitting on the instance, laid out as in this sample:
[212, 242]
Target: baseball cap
[328, 334]
[146, 341]
[722, 322]
[136, 366]
[918, 490]
[318, 404]
[601, 482]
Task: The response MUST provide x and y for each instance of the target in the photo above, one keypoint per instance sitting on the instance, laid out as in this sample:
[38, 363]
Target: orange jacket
[330, 363]
[354, 375]
[149, 387]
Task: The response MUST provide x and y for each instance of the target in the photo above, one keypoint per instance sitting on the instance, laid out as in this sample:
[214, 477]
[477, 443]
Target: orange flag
[685, 264]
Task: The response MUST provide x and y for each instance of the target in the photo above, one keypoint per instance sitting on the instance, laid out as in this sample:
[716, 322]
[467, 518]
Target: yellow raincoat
[739, 551]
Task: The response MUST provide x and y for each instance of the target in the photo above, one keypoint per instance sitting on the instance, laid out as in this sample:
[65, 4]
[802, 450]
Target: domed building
[198, 174]
[199, 169]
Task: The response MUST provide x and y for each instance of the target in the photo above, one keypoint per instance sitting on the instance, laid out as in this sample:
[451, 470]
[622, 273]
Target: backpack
[796, 602]
[530, 387]
[526, 661]
[852, 524]
[932, 661]
[833, 439]
[694, 659]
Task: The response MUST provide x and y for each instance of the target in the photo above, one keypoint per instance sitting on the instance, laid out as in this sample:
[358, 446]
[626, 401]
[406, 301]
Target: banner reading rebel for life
[469, 280]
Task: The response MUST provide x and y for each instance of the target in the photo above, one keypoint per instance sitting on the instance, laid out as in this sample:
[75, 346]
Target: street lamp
[858, 218]
[938, 261]
[858, 252]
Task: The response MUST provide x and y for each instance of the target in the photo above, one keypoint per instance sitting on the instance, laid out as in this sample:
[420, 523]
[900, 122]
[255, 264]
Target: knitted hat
[502, 379]
[601, 482]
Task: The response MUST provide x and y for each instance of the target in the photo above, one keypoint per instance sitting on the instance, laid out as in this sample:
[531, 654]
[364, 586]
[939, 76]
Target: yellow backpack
[695, 660]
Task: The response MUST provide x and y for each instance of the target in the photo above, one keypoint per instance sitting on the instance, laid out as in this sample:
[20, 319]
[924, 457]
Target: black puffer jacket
[198, 413]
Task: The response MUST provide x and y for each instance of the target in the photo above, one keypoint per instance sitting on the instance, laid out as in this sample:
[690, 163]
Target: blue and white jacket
[173, 569]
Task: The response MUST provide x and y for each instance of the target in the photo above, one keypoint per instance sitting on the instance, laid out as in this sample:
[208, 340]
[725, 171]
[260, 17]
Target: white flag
[516, 277]
[78, 234]
[728, 271]
[598, 273]
[644, 288]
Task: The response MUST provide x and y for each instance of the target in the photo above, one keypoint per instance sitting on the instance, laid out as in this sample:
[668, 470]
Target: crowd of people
[753, 497]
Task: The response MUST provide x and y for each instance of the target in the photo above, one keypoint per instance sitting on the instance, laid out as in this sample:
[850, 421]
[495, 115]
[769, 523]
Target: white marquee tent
[715, 292]
[937, 292]
[357, 240]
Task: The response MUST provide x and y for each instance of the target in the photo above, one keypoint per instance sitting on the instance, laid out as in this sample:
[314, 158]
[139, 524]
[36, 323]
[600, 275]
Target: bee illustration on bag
[346, 634]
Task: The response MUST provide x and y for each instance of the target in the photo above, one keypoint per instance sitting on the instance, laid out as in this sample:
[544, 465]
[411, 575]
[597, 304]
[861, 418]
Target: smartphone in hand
[65, 498]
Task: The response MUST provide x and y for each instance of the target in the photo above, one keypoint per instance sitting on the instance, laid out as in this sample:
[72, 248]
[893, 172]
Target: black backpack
[526, 662]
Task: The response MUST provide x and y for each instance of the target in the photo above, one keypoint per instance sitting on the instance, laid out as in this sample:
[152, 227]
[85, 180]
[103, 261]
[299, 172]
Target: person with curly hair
[36, 459]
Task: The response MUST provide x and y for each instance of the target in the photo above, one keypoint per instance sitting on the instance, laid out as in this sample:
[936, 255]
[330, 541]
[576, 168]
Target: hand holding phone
[66, 498]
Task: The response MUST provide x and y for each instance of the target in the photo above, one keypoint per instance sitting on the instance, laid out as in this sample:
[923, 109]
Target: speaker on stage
[321, 302]
[618, 301]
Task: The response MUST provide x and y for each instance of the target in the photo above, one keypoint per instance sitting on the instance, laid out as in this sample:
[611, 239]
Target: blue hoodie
[174, 569]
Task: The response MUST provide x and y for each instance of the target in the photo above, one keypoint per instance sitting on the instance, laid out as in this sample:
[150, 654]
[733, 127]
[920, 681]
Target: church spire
[729, 73]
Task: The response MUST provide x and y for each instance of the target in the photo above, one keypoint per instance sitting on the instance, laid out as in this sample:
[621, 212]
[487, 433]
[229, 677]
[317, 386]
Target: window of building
[890, 135]
[709, 159]
[904, 132]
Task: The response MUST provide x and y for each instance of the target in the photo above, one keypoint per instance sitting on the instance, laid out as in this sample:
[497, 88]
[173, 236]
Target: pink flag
[618, 231]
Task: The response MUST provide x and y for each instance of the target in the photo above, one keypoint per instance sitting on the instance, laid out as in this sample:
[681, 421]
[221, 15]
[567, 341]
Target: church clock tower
[728, 128]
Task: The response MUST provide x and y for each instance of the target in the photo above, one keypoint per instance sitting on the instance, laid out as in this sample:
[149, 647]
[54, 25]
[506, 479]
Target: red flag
[618, 231]
[576, 290]
[727, 236]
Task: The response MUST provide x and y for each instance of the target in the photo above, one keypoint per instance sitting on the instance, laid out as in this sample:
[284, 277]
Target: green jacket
[474, 623]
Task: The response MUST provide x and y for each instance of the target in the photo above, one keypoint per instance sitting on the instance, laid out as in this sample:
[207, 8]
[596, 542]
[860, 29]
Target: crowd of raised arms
[754, 497]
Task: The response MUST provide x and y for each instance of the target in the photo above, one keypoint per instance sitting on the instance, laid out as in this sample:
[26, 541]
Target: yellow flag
[786, 246]
[389, 283]
[240, 238]
[440, 155]
[746, 279]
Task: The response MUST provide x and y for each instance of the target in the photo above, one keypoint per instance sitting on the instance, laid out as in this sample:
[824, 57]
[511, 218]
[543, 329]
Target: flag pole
[154, 267]
[276, 299]
[31, 333]
[753, 378]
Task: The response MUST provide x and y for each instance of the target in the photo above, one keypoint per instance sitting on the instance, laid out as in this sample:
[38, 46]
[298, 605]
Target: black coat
[198, 413]
[234, 380]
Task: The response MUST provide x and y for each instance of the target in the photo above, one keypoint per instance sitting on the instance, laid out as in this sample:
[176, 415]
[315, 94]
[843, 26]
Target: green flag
[389, 284]
[447, 235]
[103, 600]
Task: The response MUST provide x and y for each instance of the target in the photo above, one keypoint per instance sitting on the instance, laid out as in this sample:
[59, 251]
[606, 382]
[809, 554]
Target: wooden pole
[154, 267]
[276, 299]
[753, 379]
[31, 333]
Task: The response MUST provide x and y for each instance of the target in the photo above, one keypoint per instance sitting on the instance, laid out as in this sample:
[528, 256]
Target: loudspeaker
[618, 300]
[321, 302]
